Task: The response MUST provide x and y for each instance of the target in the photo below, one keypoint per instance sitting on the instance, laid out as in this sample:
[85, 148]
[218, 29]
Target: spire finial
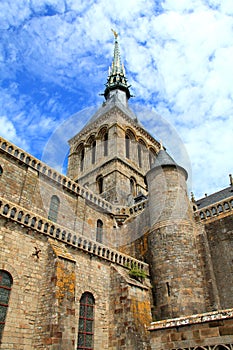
[115, 33]
[116, 75]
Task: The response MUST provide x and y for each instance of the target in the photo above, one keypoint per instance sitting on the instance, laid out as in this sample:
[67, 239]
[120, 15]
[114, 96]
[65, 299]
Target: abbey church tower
[112, 255]
[113, 152]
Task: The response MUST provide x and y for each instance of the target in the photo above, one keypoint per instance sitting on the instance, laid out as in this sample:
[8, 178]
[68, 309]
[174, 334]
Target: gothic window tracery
[86, 322]
[6, 282]
[54, 208]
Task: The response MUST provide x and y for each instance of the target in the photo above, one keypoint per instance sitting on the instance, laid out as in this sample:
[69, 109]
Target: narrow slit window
[82, 155]
[93, 152]
[105, 144]
[127, 146]
[139, 155]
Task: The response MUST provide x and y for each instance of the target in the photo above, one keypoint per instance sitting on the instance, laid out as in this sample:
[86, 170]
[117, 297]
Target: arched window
[105, 139]
[100, 183]
[80, 151]
[6, 282]
[127, 144]
[1, 170]
[86, 322]
[133, 186]
[93, 152]
[54, 208]
[99, 231]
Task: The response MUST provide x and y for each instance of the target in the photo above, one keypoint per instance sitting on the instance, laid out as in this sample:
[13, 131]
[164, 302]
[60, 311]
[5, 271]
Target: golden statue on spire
[115, 33]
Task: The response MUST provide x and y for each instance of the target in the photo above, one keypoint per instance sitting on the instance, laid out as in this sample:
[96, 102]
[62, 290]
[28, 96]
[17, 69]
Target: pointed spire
[116, 75]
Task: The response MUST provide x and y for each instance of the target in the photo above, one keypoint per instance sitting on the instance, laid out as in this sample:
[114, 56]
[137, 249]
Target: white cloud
[9, 132]
[178, 57]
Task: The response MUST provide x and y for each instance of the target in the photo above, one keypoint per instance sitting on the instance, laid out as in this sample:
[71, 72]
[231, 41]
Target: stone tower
[175, 270]
[113, 152]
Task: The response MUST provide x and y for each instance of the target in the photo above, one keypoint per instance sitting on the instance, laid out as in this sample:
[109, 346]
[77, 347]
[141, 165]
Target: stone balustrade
[213, 210]
[132, 210]
[42, 225]
[138, 208]
[66, 182]
[51, 173]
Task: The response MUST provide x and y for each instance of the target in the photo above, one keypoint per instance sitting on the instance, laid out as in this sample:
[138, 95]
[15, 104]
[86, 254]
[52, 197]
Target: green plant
[137, 273]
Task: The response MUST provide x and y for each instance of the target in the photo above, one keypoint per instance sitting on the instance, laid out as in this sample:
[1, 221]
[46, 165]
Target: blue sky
[54, 58]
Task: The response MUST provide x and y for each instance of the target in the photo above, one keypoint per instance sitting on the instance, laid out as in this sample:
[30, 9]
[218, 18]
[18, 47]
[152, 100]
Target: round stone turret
[176, 274]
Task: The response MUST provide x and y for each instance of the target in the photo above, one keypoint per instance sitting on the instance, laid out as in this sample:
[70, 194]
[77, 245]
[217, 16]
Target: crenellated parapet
[42, 225]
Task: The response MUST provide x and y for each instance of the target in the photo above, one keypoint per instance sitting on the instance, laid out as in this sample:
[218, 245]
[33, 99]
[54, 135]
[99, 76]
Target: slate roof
[164, 159]
[215, 197]
[108, 105]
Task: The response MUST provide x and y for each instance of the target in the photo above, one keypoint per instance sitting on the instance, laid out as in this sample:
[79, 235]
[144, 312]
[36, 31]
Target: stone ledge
[192, 319]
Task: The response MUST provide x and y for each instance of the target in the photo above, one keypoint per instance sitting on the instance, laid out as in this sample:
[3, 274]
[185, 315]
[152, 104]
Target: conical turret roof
[163, 159]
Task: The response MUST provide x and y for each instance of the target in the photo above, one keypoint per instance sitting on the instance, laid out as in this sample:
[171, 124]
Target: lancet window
[99, 231]
[54, 208]
[105, 140]
[93, 152]
[6, 282]
[100, 183]
[133, 186]
[129, 138]
[81, 156]
[86, 322]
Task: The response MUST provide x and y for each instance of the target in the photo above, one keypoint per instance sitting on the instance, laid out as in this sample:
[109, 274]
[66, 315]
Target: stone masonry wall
[17, 246]
[219, 234]
[49, 278]
[24, 186]
[130, 313]
[212, 331]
